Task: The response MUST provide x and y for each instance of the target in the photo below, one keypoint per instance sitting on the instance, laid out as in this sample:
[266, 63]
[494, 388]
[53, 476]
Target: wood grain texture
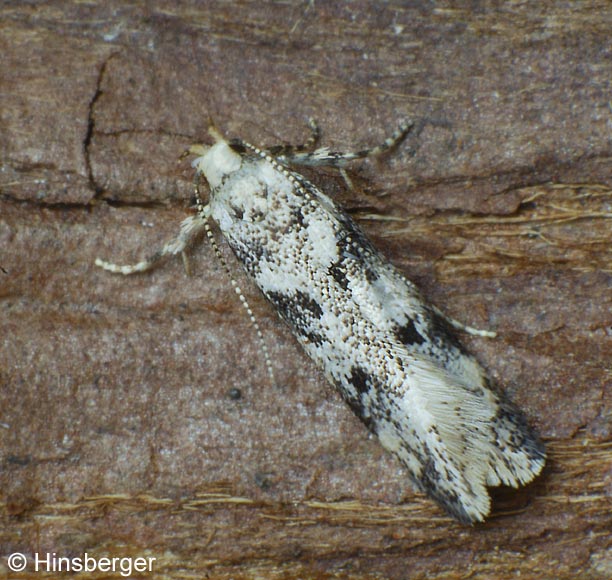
[119, 431]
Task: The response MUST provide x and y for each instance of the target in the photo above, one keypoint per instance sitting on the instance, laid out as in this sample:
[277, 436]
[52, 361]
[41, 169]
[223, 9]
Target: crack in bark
[91, 125]
[119, 132]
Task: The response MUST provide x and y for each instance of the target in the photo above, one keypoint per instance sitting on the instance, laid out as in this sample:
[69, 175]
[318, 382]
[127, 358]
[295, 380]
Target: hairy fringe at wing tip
[476, 439]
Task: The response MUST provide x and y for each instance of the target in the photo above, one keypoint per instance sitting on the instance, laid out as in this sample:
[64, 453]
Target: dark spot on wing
[356, 404]
[338, 273]
[408, 334]
[371, 275]
[361, 380]
[297, 214]
[522, 437]
[307, 304]
[251, 256]
[359, 243]
[443, 333]
[237, 211]
[430, 481]
[300, 311]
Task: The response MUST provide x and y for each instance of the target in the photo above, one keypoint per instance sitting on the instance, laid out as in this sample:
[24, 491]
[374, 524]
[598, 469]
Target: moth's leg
[284, 152]
[315, 134]
[324, 156]
[463, 327]
[191, 228]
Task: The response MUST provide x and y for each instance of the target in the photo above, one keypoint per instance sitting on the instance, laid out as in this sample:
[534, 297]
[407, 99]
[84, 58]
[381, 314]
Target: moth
[392, 356]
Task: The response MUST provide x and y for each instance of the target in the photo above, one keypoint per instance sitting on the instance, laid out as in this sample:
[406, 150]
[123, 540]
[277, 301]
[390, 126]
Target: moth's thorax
[255, 196]
[217, 162]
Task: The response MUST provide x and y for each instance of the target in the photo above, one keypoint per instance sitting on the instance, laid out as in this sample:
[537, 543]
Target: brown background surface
[118, 432]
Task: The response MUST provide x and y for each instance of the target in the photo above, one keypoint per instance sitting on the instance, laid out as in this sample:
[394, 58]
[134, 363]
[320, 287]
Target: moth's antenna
[203, 212]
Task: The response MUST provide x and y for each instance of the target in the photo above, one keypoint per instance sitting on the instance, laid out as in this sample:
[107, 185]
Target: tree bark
[136, 415]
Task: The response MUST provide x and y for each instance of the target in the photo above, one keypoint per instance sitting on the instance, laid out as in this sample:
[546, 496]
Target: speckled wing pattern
[392, 356]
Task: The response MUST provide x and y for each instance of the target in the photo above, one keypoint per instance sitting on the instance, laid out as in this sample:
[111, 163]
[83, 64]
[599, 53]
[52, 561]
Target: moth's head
[215, 161]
